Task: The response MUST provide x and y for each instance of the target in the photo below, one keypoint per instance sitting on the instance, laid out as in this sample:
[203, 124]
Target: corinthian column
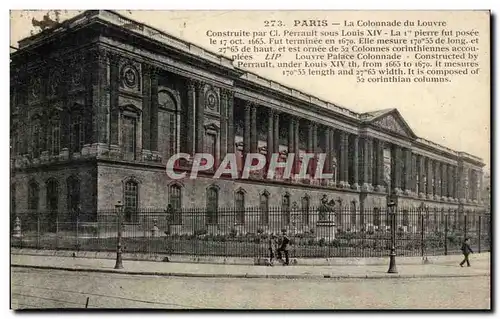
[230, 122]
[355, 162]
[407, 172]
[430, 172]
[344, 167]
[191, 126]
[200, 116]
[276, 132]
[398, 161]
[449, 181]
[270, 135]
[422, 176]
[246, 131]
[444, 182]
[379, 164]
[253, 129]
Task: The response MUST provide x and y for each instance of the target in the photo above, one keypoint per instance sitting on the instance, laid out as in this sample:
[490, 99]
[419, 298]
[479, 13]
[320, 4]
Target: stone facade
[110, 104]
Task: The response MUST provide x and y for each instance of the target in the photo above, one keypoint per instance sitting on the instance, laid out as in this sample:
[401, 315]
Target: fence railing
[314, 232]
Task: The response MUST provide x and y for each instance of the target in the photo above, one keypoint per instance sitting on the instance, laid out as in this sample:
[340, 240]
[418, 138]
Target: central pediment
[390, 120]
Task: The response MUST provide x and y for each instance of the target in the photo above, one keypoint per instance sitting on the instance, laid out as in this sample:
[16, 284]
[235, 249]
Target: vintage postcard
[250, 159]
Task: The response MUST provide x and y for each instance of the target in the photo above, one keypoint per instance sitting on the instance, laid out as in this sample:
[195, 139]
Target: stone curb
[247, 276]
[334, 261]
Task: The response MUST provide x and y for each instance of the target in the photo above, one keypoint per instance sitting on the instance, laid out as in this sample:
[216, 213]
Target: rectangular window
[210, 145]
[76, 138]
[129, 137]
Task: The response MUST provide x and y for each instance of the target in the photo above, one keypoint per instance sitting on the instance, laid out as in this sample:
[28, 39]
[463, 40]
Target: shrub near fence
[234, 233]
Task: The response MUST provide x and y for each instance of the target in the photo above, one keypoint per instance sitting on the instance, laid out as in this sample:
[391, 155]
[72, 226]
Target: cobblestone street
[33, 288]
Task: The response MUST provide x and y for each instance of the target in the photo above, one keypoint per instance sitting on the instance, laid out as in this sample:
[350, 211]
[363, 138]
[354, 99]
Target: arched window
[212, 205]
[362, 217]
[76, 131]
[339, 212]
[54, 135]
[264, 208]
[175, 200]
[52, 194]
[168, 125]
[376, 216]
[406, 218]
[353, 214]
[285, 208]
[305, 209]
[33, 195]
[131, 196]
[73, 193]
[240, 206]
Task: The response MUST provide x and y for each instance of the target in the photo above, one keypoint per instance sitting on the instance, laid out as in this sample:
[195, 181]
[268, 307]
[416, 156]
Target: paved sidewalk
[480, 267]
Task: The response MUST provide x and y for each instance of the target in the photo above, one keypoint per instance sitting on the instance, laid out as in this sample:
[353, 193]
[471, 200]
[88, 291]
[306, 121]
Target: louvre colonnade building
[100, 102]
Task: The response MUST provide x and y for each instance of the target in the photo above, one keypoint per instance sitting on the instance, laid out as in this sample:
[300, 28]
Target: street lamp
[392, 214]
[119, 263]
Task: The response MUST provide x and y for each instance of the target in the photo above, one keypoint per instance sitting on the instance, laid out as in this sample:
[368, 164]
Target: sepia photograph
[250, 160]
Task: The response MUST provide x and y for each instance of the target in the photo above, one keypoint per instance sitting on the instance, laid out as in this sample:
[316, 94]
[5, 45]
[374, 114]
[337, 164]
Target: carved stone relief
[390, 123]
[212, 101]
[130, 76]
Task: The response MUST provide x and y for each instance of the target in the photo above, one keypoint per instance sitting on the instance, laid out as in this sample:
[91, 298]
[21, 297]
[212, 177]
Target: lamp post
[392, 255]
[119, 263]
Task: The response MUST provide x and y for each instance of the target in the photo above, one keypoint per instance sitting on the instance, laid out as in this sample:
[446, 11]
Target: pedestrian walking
[466, 250]
[273, 246]
[284, 247]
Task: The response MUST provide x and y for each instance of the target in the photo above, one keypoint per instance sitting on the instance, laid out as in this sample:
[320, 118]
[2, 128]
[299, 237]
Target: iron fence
[314, 232]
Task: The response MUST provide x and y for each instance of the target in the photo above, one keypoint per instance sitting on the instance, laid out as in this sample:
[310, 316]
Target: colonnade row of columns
[360, 159]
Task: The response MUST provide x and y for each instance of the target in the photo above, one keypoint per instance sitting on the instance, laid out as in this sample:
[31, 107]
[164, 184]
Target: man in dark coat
[466, 250]
[284, 247]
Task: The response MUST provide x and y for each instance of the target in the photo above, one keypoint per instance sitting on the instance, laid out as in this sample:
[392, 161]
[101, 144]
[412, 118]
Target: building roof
[163, 37]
